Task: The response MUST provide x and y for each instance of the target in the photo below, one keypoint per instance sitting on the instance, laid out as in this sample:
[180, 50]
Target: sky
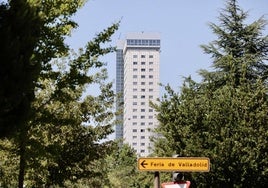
[182, 24]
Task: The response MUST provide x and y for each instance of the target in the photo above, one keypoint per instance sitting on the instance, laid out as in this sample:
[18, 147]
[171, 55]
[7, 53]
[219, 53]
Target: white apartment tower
[137, 69]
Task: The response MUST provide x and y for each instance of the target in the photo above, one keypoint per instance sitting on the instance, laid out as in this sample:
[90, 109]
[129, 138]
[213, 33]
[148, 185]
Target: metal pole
[156, 180]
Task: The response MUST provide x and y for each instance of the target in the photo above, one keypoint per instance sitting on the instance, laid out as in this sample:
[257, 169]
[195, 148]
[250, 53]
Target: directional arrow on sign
[143, 164]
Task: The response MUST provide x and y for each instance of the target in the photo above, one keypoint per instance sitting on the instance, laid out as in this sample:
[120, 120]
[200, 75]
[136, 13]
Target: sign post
[181, 164]
[156, 179]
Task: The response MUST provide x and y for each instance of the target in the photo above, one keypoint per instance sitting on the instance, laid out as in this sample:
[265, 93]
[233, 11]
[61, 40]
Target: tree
[8, 167]
[32, 33]
[225, 116]
[64, 138]
[122, 169]
[20, 30]
[241, 49]
[61, 120]
[56, 24]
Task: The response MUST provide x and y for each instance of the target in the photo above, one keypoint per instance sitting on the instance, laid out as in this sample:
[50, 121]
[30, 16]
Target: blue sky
[182, 24]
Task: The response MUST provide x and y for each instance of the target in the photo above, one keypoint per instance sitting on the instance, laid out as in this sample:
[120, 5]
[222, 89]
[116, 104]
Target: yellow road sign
[182, 164]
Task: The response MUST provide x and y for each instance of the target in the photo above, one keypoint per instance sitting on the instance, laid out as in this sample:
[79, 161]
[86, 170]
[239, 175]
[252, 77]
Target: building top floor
[140, 40]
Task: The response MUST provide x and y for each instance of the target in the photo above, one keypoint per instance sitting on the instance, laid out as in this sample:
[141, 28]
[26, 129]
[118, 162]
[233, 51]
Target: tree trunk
[22, 154]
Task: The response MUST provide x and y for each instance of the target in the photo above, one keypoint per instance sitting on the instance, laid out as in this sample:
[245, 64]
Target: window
[142, 56]
[151, 90]
[142, 137]
[135, 56]
[134, 130]
[143, 42]
[134, 144]
[135, 76]
[134, 123]
[142, 103]
[143, 110]
[134, 117]
[151, 83]
[150, 96]
[142, 117]
[142, 151]
[135, 70]
[135, 110]
[151, 56]
[150, 123]
[135, 96]
[151, 70]
[143, 63]
[135, 89]
[135, 63]
[142, 90]
[142, 123]
[142, 144]
[135, 83]
[143, 97]
[151, 110]
[142, 76]
[142, 70]
[142, 130]
[134, 137]
[150, 63]
[134, 103]
[142, 83]
[150, 117]
[151, 76]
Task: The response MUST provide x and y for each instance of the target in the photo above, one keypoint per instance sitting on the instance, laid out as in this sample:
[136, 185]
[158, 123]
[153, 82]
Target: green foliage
[57, 24]
[240, 51]
[20, 31]
[122, 169]
[65, 136]
[32, 33]
[225, 116]
[62, 136]
[71, 124]
[8, 168]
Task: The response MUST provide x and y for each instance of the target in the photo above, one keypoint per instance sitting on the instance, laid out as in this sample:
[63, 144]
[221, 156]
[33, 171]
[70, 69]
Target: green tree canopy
[32, 33]
[225, 116]
[240, 50]
[65, 136]
[20, 31]
[61, 136]
[122, 169]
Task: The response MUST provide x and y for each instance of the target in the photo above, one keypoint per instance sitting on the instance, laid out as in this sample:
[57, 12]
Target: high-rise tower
[138, 58]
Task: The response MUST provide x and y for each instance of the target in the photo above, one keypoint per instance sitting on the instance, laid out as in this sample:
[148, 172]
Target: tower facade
[138, 60]
[119, 89]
